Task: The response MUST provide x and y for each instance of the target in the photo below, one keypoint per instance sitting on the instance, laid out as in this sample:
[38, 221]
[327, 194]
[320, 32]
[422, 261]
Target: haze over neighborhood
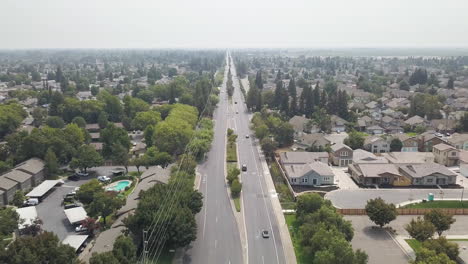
[235, 24]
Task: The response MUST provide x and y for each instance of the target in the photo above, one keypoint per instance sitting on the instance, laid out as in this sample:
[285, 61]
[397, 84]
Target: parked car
[72, 205]
[73, 178]
[31, 202]
[103, 178]
[244, 167]
[265, 233]
[80, 229]
[82, 174]
[75, 190]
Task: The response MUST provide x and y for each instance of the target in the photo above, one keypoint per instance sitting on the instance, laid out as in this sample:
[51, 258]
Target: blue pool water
[120, 186]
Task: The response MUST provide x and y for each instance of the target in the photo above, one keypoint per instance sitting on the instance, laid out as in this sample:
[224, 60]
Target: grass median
[439, 204]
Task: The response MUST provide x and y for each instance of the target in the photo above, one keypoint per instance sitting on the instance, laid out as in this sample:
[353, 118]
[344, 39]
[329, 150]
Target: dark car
[265, 234]
[74, 178]
[72, 205]
[244, 167]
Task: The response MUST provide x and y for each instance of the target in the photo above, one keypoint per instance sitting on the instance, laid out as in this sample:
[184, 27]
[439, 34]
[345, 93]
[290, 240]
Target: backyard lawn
[439, 204]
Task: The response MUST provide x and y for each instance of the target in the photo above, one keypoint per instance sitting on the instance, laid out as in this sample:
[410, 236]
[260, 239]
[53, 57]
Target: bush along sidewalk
[233, 171]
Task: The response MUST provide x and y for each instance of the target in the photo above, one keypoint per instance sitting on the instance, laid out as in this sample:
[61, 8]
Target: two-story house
[341, 155]
[376, 144]
[445, 154]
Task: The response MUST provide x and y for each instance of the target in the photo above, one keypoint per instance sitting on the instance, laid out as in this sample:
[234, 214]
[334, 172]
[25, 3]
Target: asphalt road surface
[218, 237]
[258, 210]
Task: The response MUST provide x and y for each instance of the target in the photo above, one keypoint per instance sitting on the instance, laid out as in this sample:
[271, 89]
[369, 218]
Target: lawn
[293, 230]
[439, 204]
[237, 203]
[414, 244]
[411, 134]
[231, 152]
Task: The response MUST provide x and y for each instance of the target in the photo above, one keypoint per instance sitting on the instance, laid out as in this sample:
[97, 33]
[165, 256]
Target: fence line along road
[407, 211]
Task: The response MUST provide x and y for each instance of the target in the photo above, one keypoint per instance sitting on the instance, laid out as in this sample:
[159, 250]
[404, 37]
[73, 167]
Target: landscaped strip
[446, 204]
[233, 171]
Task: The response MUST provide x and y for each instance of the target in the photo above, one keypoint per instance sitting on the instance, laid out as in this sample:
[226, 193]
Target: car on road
[103, 178]
[237, 112]
[265, 233]
[244, 167]
[73, 178]
[247, 136]
[81, 229]
[235, 102]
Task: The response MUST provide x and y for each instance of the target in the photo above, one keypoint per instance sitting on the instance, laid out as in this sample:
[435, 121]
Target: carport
[76, 215]
[42, 189]
[27, 215]
[75, 241]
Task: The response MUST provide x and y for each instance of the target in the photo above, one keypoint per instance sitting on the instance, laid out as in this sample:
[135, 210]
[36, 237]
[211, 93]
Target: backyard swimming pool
[119, 186]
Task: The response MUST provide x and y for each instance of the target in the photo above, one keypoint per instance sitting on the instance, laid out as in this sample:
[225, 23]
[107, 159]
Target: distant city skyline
[144, 24]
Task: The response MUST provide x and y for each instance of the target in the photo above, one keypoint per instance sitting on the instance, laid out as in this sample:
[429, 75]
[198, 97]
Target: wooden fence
[406, 211]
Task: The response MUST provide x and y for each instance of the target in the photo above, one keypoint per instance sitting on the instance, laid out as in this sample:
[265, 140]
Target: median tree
[420, 229]
[441, 220]
[442, 245]
[380, 212]
[426, 256]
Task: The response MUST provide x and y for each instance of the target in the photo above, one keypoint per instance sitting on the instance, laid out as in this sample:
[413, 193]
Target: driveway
[377, 243]
[343, 179]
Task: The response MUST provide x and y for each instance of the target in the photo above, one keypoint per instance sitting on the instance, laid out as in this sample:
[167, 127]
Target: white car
[103, 178]
[80, 229]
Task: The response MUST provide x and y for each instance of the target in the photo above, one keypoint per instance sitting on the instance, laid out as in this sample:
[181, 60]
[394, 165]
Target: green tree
[380, 212]
[426, 256]
[125, 250]
[39, 114]
[104, 204]
[103, 119]
[355, 140]
[442, 245]
[120, 156]
[88, 190]
[233, 174]
[103, 258]
[4, 166]
[404, 85]
[18, 198]
[43, 248]
[79, 121]
[463, 123]
[284, 134]
[172, 136]
[8, 221]
[396, 145]
[144, 119]
[441, 221]
[55, 122]
[236, 188]
[450, 83]
[111, 136]
[148, 134]
[51, 163]
[308, 203]
[87, 157]
[261, 131]
[269, 146]
[420, 229]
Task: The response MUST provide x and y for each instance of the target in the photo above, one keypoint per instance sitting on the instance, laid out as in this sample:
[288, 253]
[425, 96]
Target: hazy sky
[236, 23]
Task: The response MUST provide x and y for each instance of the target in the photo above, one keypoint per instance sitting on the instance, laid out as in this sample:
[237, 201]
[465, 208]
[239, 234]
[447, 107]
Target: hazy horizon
[214, 24]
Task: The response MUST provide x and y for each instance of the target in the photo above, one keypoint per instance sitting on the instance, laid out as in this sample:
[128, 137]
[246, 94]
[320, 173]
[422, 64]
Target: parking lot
[50, 210]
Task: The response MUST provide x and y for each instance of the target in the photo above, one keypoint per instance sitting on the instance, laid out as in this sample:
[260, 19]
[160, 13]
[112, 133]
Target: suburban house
[92, 128]
[427, 141]
[362, 156]
[409, 144]
[338, 123]
[402, 158]
[376, 144]
[459, 141]
[416, 121]
[377, 174]
[445, 154]
[429, 174]
[302, 125]
[8, 189]
[375, 130]
[443, 125]
[300, 158]
[312, 174]
[463, 155]
[305, 141]
[34, 167]
[341, 155]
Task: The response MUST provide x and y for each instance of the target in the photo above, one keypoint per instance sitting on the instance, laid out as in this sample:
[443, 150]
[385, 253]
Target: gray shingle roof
[301, 157]
[32, 166]
[17, 176]
[6, 184]
[296, 171]
[426, 169]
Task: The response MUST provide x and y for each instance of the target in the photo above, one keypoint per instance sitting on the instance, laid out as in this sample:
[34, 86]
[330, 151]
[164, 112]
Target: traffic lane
[359, 198]
[50, 209]
[257, 210]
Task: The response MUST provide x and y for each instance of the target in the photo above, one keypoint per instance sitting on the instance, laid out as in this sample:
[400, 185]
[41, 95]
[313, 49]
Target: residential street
[218, 237]
[257, 197]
